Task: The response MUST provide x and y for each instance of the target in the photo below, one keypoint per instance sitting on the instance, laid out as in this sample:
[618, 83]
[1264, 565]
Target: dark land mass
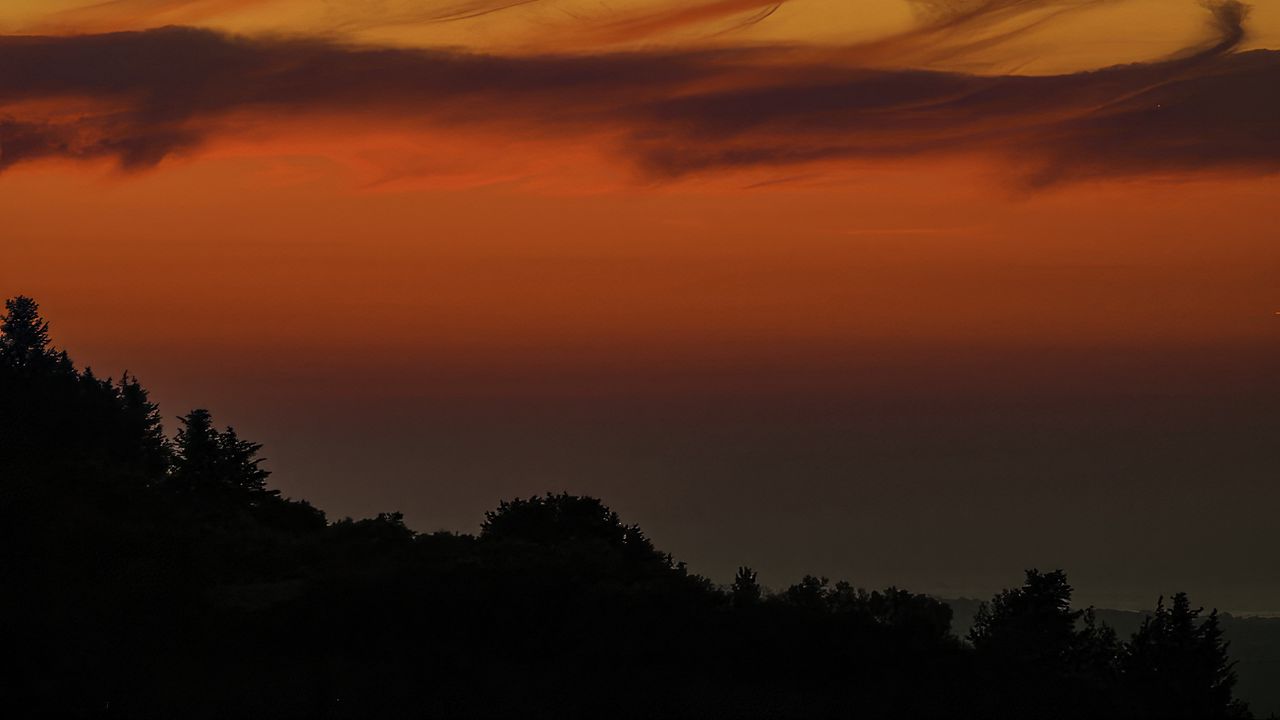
[149, 576]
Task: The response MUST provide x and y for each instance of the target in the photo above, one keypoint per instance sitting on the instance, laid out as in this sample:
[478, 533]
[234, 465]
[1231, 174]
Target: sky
[905, 292]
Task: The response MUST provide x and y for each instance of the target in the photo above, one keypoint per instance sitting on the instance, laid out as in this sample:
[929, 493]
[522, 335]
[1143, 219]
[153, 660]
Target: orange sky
[531, 258]
[1109, 31]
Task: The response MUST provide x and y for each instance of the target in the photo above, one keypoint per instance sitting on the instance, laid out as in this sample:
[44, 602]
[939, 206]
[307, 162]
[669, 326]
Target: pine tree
[143, 426]
[210, 462]
[195, 461]
[1179, 668]
[238, 464]
[24, 334]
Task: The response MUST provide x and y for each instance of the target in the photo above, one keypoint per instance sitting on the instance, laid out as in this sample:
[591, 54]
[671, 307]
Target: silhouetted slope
[147, 577]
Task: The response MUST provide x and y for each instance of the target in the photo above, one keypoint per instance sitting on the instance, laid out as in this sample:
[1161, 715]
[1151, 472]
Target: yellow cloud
[1029, 36]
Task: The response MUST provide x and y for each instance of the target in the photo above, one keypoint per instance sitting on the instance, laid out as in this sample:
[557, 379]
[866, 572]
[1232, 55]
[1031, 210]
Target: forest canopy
[158, 576]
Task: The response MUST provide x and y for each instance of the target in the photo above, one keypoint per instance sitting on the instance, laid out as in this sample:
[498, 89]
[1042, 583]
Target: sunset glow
[869, 255]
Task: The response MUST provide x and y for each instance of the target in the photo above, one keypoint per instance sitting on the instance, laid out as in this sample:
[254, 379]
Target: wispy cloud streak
[140, 97]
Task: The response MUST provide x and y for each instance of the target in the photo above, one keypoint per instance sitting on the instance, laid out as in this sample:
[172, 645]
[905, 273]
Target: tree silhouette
[24, 334]
[197, 459]
[210, 461]
[1179, 666]
[1053, 661]
[1030, 626]
[141, 429]
[569, 519]
[924, 617]
[812, 593]
[745, 590]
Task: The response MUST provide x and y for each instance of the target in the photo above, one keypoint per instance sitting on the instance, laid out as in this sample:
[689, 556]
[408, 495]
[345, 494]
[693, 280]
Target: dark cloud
[133, 146]
[141, 96]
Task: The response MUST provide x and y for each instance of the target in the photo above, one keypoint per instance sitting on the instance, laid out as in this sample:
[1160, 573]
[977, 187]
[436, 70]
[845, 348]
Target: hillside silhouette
[149, 576]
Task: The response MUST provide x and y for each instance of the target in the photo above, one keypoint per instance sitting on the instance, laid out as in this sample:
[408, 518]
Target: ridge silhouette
[149, 577]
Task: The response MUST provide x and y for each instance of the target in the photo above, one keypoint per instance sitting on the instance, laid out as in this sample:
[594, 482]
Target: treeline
[149, 577]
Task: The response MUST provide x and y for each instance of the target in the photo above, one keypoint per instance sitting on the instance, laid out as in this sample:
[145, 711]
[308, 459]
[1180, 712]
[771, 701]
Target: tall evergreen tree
[142, 426]
[195, 460]
[1179, 667]
[239, 464]
[24, 334]
[209, 461]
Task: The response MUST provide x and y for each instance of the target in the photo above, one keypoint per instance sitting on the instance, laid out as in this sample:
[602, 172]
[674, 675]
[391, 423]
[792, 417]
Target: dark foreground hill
[156, 577]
